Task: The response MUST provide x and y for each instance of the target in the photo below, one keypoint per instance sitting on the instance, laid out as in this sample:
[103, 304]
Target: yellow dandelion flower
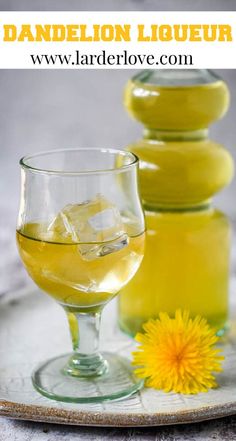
[178, 354]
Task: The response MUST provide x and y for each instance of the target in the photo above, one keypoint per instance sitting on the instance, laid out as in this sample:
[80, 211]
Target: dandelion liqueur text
[117, 32]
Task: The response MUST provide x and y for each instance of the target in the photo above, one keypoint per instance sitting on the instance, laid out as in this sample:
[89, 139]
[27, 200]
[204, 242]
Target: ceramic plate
[33, 328]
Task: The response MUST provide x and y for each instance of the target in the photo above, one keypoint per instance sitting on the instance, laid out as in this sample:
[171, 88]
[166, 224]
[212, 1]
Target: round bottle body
[186, 265]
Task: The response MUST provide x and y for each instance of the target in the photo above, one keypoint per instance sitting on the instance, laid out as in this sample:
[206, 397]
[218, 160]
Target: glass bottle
[186, 262]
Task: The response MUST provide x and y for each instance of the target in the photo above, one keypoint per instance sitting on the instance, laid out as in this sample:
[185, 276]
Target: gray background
[55, 109]
[58, 109]
[118, 5]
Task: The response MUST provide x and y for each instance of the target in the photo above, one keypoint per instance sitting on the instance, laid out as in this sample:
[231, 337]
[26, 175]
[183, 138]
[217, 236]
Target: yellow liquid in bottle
[60, 270]
[181, 174]
[186, 261]
[176, 107]
[186, 265]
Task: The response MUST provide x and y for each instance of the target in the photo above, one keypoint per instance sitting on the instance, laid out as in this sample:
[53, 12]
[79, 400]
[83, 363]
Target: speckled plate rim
[46, 414]
[110, 419]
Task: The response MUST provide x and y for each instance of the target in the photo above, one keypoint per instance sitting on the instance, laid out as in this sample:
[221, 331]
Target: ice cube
[96, 225]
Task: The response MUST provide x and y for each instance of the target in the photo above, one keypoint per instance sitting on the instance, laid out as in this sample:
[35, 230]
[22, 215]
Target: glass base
[53, 380]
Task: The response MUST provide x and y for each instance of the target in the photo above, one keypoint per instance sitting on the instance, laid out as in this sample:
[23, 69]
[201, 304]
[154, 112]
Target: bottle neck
[170, 208]
[175, 135]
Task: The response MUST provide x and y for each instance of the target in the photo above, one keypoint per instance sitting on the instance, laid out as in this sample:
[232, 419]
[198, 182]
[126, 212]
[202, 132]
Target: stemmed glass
[80, 235]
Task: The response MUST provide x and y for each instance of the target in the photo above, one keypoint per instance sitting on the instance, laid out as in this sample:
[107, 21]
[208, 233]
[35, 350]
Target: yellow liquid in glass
[186, 265]
[60, 270]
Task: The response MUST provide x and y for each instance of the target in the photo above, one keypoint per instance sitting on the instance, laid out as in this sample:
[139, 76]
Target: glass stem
[86, 360]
